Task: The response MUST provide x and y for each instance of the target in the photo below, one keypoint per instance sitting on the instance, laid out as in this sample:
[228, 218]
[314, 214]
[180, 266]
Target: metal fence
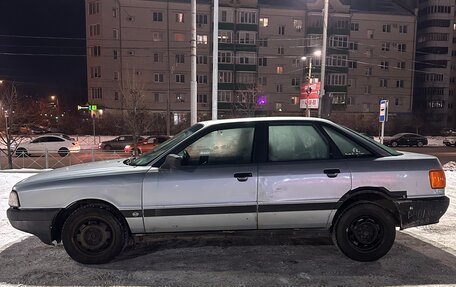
[45, 160]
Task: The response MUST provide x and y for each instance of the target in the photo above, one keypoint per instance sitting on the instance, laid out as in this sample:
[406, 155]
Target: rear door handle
[332, 172]
[242, 176]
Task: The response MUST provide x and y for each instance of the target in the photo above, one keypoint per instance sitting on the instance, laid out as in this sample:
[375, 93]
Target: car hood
[82, 172]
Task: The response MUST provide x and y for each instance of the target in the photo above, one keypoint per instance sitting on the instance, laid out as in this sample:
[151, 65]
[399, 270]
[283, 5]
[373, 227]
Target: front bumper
[35, 221]
[421, 211]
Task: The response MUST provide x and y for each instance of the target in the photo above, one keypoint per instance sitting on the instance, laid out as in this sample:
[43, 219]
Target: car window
[296, 142]
[347, 147]
[226, 146]
[38, 140]
[55, 139]
[121, 138]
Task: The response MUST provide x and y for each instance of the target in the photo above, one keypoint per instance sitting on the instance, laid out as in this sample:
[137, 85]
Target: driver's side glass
[228, 146]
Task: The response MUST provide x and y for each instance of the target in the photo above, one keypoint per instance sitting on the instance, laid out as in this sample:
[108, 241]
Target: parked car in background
[118, 143]
[33, 130]
[51, 143]
[146, 145]
[450, 141]
[405, 139]
[279, 173]
[448, 132]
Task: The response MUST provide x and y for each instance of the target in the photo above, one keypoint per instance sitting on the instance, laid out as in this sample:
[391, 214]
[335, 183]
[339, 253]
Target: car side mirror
[172, 161]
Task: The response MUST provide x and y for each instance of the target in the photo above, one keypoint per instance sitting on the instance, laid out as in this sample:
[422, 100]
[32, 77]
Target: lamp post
[309, 81]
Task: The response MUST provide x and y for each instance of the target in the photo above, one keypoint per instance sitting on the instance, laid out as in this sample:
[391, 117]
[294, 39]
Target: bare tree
[13, 116]
[135, 113]
[246, 102]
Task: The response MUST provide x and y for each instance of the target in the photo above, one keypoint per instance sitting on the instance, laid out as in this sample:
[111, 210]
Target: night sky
[42, 48]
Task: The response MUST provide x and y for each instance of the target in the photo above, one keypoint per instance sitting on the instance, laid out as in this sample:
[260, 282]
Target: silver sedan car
[239, 174]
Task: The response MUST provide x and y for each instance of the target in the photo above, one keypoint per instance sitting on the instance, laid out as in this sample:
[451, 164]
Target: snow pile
[450, 166]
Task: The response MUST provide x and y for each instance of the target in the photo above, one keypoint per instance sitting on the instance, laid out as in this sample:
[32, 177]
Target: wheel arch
[61, 217]
[375, 195]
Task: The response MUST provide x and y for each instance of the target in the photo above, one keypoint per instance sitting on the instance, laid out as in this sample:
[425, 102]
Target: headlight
[13, 199]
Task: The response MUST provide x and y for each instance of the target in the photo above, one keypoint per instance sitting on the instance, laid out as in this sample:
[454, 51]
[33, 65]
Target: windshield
[146, 158]
[383, 147]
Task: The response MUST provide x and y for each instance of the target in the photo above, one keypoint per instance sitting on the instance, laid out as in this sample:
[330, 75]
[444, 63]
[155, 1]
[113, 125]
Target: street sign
[310, 95]
[82, 107]
[383, 111]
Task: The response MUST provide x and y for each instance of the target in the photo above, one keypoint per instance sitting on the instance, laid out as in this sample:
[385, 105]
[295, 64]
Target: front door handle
[242, 176]
[332, 172]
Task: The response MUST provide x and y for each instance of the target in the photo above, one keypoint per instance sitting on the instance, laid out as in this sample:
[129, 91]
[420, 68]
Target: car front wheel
[394, 144]
[419, 144]
[364, 232]
[93, 235]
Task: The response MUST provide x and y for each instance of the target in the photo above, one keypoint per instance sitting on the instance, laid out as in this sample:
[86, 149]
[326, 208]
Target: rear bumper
[35, 221]
[421, 211]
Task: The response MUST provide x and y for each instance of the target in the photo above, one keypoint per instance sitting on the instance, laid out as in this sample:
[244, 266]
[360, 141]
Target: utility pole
[193, 84]
[215, 62]
[323, 56]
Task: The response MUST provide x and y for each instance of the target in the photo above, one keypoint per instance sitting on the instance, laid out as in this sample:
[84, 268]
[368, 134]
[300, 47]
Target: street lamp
[309, 81]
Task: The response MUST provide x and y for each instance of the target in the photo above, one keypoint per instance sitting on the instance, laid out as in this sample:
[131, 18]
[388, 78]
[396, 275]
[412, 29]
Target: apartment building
[371, 48]
[436, 64]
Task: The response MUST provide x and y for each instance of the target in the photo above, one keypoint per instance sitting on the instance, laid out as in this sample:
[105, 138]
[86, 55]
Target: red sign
[309, 96]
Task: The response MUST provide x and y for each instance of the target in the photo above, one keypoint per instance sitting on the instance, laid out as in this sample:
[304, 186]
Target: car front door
[301, 178]
[215, 188]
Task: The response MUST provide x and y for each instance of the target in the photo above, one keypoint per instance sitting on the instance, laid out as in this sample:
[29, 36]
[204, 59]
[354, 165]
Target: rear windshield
[383, 147]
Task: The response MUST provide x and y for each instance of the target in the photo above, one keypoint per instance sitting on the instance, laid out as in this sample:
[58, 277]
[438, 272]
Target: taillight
[437, 178]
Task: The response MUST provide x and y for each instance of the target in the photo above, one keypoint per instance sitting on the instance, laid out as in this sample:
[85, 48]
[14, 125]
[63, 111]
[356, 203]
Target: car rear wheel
[93, 234]
[394, 144]
[364, 232]
[21, 152]
[63, 152]
[107, 147]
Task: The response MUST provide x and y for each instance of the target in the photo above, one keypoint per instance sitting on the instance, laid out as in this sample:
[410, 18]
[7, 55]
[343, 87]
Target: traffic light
[92, 107]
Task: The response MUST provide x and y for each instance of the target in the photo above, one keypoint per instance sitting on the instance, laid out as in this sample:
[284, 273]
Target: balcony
[229, 67]
[246, 68]
[226, 86]
[335, 89]
[226, 26]
[226, 46]
[246, 47]
[247, 27]
[314, 30]
[339, 70]
[339, 31]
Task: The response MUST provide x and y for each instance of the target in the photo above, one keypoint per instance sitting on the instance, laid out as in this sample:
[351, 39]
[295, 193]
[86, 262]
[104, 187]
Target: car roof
[263, 119]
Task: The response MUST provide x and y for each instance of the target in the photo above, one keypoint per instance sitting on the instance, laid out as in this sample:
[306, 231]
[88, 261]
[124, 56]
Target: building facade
[436, 64]
[371, 56]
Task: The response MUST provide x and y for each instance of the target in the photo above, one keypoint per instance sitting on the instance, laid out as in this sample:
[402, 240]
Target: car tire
[419, 144]
[364, 232]
[93, 234]
[394, 144]
[21, 152]
[107, 147]
[63, 152]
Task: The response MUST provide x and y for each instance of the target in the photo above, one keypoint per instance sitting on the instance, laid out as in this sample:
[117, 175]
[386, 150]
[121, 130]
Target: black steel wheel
[420, 144]
[364, 232]
[93, 235]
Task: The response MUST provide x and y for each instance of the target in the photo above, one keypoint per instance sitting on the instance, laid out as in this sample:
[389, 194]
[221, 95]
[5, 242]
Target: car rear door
[300, 179]
[214, 189]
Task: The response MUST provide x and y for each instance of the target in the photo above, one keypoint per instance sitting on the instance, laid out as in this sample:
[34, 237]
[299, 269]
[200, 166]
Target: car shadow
[227, 260]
